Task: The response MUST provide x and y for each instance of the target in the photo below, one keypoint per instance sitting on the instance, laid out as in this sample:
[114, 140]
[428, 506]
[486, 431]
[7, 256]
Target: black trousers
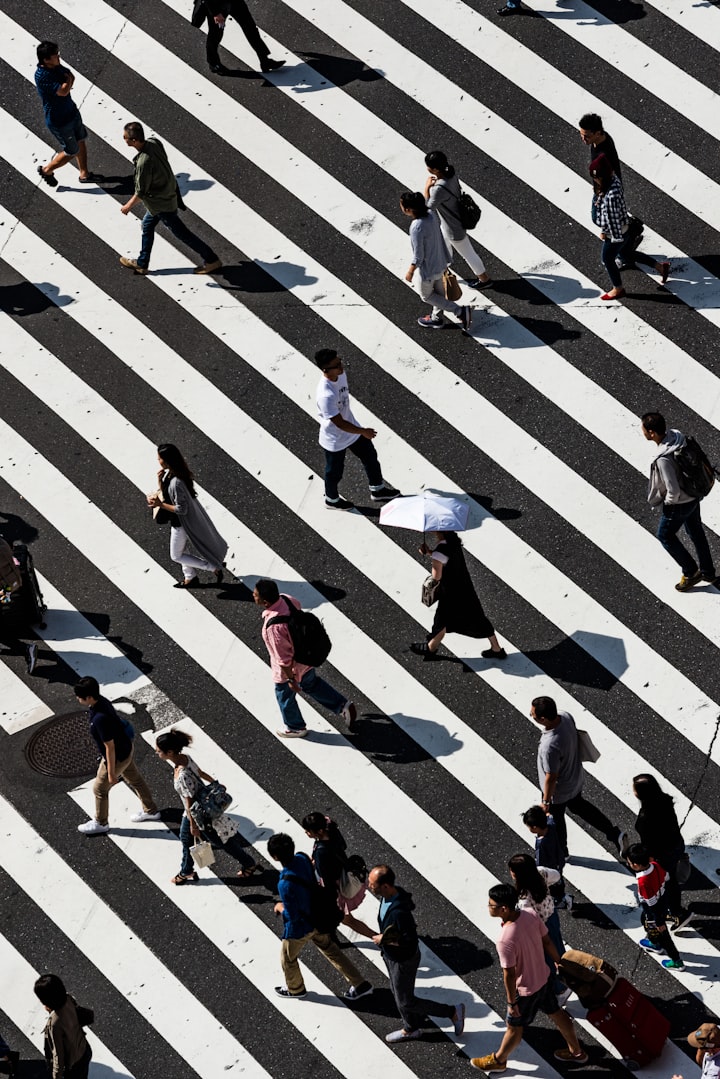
[587, 812]
[238, 9]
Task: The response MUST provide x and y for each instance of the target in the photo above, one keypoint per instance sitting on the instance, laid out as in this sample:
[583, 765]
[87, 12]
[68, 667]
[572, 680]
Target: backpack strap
[282, 619]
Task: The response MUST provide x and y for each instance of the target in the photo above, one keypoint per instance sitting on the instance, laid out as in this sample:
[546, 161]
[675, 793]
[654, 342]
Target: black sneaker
[357, 991]
[339, 504]
[384, 493]
[282, 991]
[479, 285]
[270, 65]
[709, 578]
[218, 69]
[47, 177]
[685, 584]
[490, 653]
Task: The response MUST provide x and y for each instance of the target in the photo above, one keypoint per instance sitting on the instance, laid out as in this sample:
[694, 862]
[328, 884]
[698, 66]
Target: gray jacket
[429, 250]
[201, 532]
[664, 486]
[443, 198]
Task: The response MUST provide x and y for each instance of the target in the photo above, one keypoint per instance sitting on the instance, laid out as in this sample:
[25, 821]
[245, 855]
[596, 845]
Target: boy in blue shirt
[62, 116]
[548, 851]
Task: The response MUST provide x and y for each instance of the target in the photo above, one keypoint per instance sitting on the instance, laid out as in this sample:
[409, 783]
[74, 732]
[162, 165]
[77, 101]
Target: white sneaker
[93, 827]
[349, 713]
[287, 733]
[138, 818]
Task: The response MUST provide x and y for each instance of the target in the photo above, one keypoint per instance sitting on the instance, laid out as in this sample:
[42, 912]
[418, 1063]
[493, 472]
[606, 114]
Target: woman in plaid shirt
[610, 213]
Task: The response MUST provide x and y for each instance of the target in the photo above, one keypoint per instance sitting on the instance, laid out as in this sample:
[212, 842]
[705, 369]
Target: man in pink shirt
[521, 946]
[289, 676]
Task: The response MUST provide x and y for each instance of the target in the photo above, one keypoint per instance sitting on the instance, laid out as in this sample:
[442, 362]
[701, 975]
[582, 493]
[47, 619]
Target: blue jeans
[151, 221]
[335, 466]
[317, 688]
[234, 847]
[672, 520]
[608, 254]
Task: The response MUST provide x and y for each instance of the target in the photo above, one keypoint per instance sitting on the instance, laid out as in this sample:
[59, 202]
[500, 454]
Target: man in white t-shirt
[706, 1040]
[340, 431]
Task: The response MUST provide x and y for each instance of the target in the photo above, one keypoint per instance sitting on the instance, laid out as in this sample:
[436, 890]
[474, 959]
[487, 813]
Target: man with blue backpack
[680, 476]
[113, 736]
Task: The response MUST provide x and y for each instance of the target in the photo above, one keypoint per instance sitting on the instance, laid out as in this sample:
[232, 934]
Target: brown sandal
[180, 879]
[251, 870]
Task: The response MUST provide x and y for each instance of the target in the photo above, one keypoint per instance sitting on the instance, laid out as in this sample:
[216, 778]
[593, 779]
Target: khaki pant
[129, 771]
[323, 942]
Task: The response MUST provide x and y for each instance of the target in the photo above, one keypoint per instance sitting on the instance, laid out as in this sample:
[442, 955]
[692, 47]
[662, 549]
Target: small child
[548, 851]
[651, 880]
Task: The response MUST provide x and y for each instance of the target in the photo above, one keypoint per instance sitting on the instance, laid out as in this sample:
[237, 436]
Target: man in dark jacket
[217, 12]
[156, 187]
[295, 886]
[398, 941]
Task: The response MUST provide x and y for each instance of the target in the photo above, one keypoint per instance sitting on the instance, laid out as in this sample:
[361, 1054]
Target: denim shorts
[544, 1000]
[69, 135]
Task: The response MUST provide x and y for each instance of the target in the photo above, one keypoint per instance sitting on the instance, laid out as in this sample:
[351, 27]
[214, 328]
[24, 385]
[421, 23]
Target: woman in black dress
[459, 610]
[659, 831]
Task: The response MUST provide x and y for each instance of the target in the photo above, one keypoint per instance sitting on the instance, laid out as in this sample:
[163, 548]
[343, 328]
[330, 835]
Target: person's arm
[668, 472]
[352, 428]
[429, 185]
[127, 206]
[194, 830]
[549, 786]
[511, 994]
[416, 242]
[110, 761]
[64, 90]
[436, 568]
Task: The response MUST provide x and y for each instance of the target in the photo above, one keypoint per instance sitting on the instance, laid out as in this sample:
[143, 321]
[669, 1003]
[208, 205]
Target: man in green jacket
[156, 187]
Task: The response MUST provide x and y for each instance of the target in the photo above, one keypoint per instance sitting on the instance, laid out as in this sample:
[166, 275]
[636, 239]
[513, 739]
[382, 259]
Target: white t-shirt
[333, 398]
[711, 1066]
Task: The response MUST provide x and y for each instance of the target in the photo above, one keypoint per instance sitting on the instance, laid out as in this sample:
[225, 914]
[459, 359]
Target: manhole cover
[63, 747]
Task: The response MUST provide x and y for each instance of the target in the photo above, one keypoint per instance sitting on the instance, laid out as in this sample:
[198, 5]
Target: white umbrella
[426, 512]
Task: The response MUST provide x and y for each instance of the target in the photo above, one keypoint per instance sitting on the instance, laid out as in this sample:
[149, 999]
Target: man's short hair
[385, 875]
[591, 122]
[504, 895]
[281, 847]
[655, 422]
[46, 49]
[324, 357]
[638, 854]
[545, 708]
[135, 131]
[50, 991]
[267, 590]
[87, 687]
[535, 817]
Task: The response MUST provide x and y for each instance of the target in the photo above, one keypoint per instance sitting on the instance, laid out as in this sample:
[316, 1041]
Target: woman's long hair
[177, 465]
[452, 539]
[437, 159]
[527, 879]
[649, 793]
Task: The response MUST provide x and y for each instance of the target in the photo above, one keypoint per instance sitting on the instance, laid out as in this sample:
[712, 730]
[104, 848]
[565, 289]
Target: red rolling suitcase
[632, 1024]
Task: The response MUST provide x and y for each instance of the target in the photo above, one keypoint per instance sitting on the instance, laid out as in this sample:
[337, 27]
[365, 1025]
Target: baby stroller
[21, 600]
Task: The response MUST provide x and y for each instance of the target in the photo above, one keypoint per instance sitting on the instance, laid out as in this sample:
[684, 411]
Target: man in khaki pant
[117, 759]
[295, 886]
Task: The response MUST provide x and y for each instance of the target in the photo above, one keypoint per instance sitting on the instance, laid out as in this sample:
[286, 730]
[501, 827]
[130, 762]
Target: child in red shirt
[651, 879]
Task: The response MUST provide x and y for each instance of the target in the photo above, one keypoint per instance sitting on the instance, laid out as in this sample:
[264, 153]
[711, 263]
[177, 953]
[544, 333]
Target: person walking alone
[442, 193]
[66, 1047]
[340, 432]
[400, 948]
[561, 775]
[156, 187]
[679, 509]
[117, 759]
[54, 82]
[189, 522]
[217, 13]
[459, 610]
[290, 676]
[430, 260]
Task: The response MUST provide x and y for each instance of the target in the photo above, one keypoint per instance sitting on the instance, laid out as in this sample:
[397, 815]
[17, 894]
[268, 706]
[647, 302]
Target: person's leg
[366, 453]
[82, 158]
[239, 11]
[431, 292]
[235, 848]
[555, 934]
[186, 838]
[147, 237]
[80, 1070]
[101, 790]
[289, 953]
[212, 41]
[57, 162]
[180, 230]
[558, 814]
[334, 468]
[662, 939]
[593, 816]
[608, 254]
[465, 248]
[696, 532]
[322, 692]
[402, 976]
[287, 700]
[565, 1025]
[671, 521]
[511, 1039]
[189, 562]
[325, 943]
[131, 774]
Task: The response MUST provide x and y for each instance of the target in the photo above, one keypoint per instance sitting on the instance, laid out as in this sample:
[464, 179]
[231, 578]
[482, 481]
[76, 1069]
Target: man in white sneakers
[117, 760]
[340, 431]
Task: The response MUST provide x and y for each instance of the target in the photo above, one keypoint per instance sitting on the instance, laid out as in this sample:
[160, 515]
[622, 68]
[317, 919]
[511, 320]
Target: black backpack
[696, 475]
[468, 211]
[325, 914]
[311, 643]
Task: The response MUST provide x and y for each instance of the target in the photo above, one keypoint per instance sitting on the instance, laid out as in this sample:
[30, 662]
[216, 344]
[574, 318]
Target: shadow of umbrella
[567, 661]
[609, 651]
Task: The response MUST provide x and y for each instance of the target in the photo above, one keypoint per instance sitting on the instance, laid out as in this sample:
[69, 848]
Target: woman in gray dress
[189, 522]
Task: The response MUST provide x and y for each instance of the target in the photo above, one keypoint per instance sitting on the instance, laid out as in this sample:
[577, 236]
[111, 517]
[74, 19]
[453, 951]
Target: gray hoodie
[664, 486]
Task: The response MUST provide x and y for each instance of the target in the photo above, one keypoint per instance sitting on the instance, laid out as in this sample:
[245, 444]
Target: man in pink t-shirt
[521, 949]
[288, 675]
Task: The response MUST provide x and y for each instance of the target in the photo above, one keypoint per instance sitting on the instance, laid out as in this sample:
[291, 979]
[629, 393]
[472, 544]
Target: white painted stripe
[19, 706]
[699, 18]
[23, 1008]
[435, 854]
[656, 682]
[100, 934]
[355, 654]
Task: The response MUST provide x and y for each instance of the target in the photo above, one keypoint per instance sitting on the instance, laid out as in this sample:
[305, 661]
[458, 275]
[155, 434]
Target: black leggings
[239, 11]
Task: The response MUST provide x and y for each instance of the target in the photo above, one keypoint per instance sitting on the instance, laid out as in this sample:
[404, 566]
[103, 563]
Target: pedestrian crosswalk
[296, 181]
